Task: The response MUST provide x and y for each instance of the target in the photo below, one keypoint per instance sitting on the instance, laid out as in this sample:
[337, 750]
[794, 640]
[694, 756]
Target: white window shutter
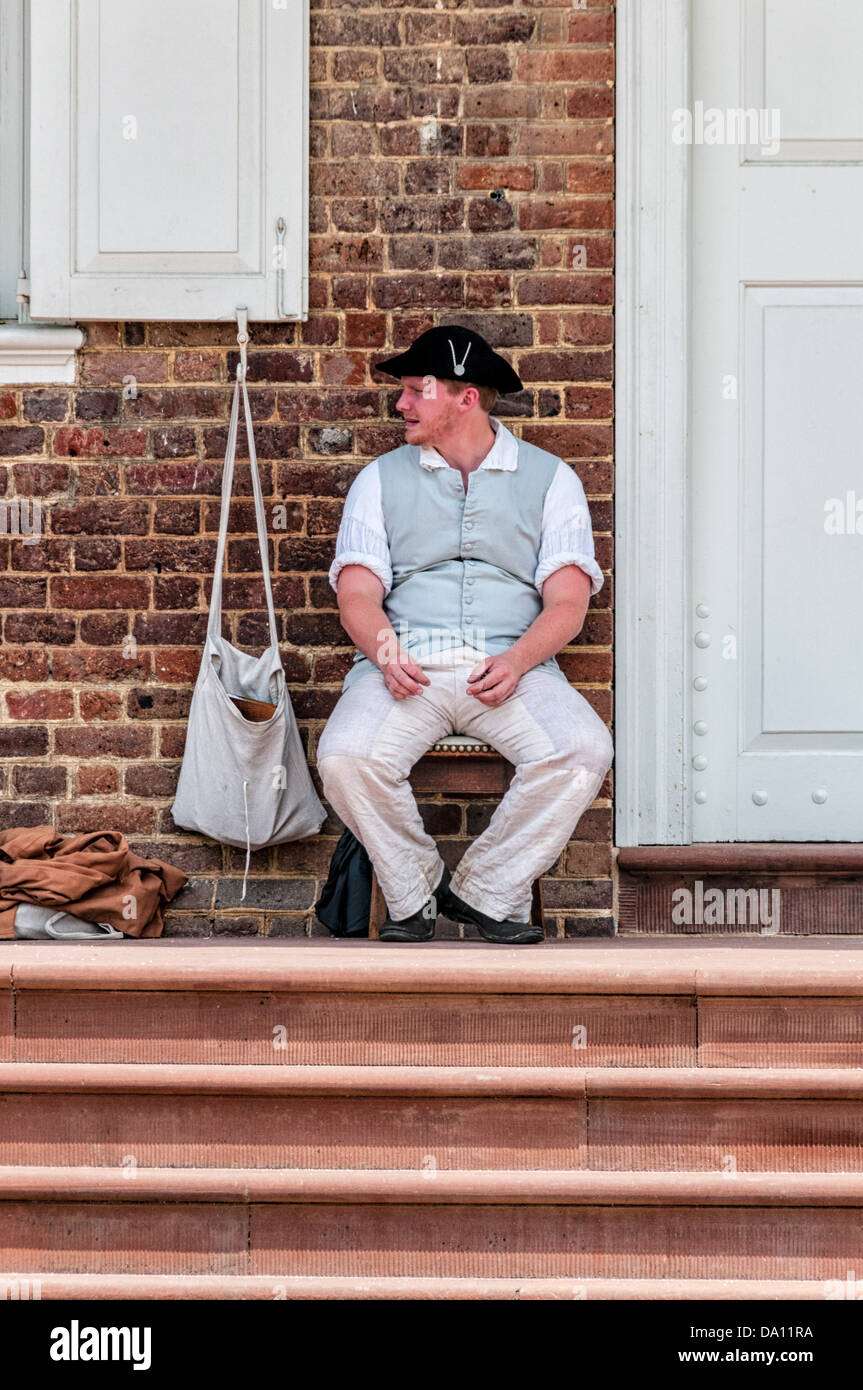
[168, 159]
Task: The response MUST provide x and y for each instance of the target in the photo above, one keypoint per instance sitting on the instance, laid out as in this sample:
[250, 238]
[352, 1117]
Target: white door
[776, 422]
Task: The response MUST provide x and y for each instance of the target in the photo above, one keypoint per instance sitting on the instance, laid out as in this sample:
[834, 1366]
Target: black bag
[346, 897]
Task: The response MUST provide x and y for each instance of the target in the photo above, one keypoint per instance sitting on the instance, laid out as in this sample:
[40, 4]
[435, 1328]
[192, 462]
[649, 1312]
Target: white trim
[13, 142]
[35, 352]
[651, 531]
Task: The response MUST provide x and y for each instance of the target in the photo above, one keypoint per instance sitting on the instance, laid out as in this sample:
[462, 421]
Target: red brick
[39, 478]
[23, 741]
[589, 213]
[343, 368]
[109, 368]
[79, 817]
[22, 593]
[97, 779]
[588, 27]
[77, 442]
[40, 704]
[90, 664]
[586, 176]
[39, 780]
[198, 366]
[52, 555]
[102, 515]
[365, 330]
[117, 741]
[397, 291]
[573, 65]
[176, 664]
[100, 704]
[519, 176]
[118, 591]
[566, 366]
[23, 664]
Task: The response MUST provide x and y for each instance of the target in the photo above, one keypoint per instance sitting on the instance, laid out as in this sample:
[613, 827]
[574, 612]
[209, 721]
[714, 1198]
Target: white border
[651, 412]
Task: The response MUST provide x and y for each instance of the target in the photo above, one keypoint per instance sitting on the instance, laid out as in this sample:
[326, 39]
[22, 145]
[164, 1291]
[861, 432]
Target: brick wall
[462, 171]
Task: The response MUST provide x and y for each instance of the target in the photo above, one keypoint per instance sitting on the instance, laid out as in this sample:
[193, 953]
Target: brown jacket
[93, 876]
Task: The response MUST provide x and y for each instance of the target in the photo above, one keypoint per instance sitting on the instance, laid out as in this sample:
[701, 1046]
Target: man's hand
[494, 680]
[403, 676]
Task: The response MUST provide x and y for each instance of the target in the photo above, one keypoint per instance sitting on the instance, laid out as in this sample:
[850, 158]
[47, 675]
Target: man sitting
[479, 547]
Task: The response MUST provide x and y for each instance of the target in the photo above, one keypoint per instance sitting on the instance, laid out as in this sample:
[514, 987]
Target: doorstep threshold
[769, 856]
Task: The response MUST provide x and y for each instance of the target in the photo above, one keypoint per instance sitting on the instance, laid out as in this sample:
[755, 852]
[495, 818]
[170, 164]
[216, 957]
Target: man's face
[430, 413]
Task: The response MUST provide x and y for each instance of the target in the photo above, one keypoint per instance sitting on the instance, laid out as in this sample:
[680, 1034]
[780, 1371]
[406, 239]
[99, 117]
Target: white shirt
[566, 536]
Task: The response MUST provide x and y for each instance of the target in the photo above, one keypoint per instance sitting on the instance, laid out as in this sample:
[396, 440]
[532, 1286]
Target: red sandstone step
[387, 1118]
[174, 1079]
[436, 1187]
[586, 1004]
[659, 1083]
[465, 1226]
[294, 1132]
[705, 1083]
[767, 856]
[288, 1029]
[483, 1030]
[699, 966]
[20, 1286]
[360, 1133]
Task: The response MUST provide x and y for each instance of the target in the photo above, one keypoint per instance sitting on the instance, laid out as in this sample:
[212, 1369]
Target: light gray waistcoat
[463, 562]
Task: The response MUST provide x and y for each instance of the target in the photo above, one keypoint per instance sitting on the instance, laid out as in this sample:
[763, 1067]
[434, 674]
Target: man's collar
[503, 453]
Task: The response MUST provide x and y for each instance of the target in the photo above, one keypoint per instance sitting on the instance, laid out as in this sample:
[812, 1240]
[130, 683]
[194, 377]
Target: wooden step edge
[174, 1078]
[582, 1187]
[763, 967]
[187, 1287]
[768, 857]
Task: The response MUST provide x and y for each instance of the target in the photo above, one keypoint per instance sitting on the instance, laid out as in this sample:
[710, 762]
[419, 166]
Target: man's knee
[590, 746]
[340, 769]
[336, 769]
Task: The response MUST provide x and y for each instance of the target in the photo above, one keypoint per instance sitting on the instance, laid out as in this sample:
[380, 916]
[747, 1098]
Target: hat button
[459, 369]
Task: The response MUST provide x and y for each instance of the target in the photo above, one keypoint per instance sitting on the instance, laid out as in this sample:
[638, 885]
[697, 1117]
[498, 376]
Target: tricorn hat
[453, 353]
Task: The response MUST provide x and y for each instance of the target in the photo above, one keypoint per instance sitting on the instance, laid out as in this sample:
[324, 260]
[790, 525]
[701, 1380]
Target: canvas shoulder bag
[244, 778]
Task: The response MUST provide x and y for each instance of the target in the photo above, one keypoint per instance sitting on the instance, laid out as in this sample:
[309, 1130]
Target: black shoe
[504, 933]
[421, 926]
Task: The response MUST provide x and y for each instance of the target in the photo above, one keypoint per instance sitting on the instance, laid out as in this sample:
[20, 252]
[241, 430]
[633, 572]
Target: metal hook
[242, 339]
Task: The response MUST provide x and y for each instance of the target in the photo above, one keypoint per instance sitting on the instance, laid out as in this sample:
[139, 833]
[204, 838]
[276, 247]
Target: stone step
[704, 965]
[22, 1285]
[630, 1115]
[724, 1120]
[625, 1003]
[397, 1186]
[400, 1224]
[741, 889]
[482, 1030]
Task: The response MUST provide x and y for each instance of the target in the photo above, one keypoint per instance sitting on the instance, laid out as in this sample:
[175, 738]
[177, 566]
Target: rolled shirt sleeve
[567, 534]
[362, 538]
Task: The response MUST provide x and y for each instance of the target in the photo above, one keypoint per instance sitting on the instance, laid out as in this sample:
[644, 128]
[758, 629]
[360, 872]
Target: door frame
[653, 626]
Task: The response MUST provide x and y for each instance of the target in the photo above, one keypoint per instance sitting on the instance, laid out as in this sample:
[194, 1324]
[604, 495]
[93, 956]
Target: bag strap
[214, 624]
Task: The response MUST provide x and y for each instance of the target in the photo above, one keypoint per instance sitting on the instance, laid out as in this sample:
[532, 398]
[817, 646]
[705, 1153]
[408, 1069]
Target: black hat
[453, 353]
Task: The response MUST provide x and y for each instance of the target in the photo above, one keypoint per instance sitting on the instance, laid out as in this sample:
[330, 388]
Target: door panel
[776, 561]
